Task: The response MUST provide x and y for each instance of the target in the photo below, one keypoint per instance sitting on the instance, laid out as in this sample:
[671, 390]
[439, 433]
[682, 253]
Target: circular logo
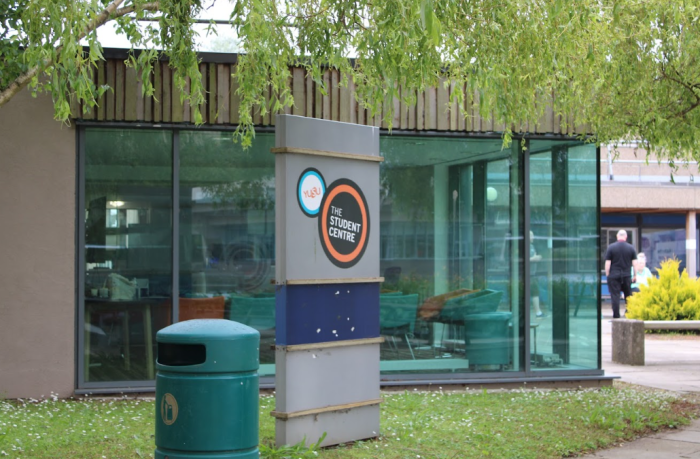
[343, 223]
[168, 409]
[310, 191]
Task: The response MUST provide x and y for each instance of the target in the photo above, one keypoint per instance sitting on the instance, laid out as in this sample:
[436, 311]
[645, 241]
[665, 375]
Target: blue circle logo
[310, 190]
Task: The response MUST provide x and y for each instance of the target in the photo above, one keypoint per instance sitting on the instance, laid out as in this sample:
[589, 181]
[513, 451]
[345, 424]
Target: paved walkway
[671, 364]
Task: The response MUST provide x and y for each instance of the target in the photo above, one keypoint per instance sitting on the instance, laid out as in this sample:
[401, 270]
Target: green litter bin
[207, 390]
[486, 338]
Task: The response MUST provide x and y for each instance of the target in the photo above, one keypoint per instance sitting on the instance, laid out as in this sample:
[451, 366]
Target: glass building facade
[659, 235]
[475, 241]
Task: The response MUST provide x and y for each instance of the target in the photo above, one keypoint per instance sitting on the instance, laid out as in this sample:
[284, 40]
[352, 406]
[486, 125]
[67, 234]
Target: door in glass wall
[450, 256]
[127, 251]
[487, 242]
[609, 236]
[227, 233]
[564, 243]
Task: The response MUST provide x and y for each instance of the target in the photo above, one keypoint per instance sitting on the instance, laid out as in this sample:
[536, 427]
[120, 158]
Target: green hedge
[670, 297]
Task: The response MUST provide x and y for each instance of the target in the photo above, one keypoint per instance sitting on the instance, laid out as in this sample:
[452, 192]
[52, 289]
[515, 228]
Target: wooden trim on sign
[330, 344]
[345, 280]
[325, 409]
[332, 154]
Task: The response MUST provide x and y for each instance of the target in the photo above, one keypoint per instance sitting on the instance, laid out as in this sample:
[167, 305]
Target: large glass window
[451, 233]
[564, 317]
[660, 244]
[227, 233]
[127, 251]
[659, 236]
[453, 250]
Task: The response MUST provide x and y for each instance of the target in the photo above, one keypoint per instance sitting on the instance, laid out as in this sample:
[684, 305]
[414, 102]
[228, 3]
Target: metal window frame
[97, 387]
[525, 376]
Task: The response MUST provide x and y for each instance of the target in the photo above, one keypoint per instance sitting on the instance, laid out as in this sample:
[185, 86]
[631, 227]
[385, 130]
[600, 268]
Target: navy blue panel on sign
[328, 312]
[280, 314]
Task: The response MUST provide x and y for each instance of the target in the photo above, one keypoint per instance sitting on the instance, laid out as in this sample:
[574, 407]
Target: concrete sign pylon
[327, 276]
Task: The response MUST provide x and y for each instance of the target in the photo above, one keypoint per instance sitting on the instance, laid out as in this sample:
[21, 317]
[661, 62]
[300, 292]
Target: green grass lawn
[457, 424]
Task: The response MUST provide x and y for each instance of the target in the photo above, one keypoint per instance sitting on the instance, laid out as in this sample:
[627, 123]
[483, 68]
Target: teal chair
[484, 330]
[481, 302]
[258, 313]
[397, 317]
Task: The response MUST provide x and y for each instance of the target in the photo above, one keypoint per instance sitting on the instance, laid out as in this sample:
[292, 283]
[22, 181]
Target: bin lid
[208, 346]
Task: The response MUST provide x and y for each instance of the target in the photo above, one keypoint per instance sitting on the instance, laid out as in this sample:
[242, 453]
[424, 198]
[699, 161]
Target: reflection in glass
[565, 278]
[450, 256]
[128, 234]
[660, 244]
[227, 232]
[452, 250]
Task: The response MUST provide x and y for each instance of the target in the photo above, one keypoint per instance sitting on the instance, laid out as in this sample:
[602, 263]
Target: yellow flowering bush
[670, 297]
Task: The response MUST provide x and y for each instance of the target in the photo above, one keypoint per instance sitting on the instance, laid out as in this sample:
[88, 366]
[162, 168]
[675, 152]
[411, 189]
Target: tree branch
[152, 6]
[687, 86]
[112, 11]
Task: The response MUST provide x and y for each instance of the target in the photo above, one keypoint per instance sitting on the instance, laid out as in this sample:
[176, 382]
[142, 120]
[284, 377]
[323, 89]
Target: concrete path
[671, 364]
[683, 443]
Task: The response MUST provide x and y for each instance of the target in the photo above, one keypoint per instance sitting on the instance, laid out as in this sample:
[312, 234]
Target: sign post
[327, 275]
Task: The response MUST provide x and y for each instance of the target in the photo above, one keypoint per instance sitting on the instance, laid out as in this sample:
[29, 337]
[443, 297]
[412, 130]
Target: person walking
[620, 258]
[534, 284]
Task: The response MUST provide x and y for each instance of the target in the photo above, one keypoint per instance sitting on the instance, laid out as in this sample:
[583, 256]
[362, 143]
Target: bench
[672, 324]
[628, 337]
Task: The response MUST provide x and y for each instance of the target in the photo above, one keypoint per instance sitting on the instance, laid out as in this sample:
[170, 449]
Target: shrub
[670, 297]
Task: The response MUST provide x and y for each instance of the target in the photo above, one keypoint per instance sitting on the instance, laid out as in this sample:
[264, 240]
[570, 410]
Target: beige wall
[649, 197]
[638, 186]
[37, 243]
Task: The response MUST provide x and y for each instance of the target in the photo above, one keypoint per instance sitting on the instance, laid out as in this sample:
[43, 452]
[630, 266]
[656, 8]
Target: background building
[656, 204]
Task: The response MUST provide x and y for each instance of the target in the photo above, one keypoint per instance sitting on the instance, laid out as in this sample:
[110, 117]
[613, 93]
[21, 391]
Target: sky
[224, 41]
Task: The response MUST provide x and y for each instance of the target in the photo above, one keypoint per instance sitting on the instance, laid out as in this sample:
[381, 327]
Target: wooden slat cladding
[130, 95]
[431, 111]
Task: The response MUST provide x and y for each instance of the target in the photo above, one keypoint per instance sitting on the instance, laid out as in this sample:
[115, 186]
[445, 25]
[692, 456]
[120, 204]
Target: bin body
[487, 340]
[207, 390]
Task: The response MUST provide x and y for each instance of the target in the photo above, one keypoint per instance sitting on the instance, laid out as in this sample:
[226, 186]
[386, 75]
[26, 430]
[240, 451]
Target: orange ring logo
[348, 223]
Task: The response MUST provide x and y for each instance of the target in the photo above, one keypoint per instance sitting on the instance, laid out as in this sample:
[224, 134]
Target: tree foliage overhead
[651, 77]
[625, 68]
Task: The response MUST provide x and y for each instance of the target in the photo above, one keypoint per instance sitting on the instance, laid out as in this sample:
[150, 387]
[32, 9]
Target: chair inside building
[397, 318]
